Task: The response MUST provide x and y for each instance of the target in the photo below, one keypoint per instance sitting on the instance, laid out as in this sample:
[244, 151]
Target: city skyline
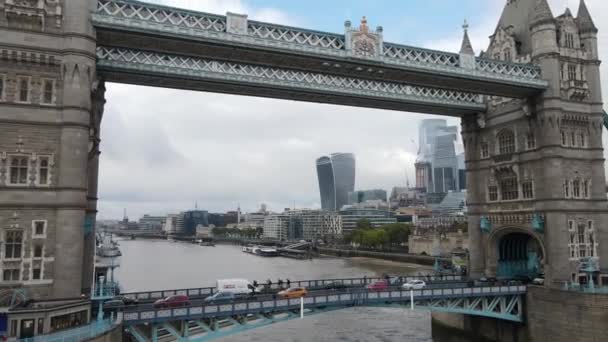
[220, 149]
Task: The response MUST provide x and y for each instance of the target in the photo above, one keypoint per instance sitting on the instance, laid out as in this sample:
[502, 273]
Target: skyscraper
[336, 174]
[437, 167]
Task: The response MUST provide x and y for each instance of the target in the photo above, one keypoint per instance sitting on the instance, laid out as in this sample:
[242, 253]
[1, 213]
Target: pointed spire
[542, 13]
[466, 47]
[568, 12]
[584, 20]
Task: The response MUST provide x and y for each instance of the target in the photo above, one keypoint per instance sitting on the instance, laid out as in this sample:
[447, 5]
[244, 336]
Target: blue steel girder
[119, 18]
[123, 64]
[486, 301]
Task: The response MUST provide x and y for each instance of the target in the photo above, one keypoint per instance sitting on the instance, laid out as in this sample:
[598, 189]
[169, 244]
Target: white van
[236, 286]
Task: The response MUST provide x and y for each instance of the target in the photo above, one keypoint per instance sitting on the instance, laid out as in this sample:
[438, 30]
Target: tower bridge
[530, 105]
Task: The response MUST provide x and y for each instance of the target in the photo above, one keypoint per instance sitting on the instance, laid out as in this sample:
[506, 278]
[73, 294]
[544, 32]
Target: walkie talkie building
[336, 174]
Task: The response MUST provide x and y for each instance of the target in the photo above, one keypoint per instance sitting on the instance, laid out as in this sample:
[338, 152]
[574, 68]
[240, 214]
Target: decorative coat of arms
[361, 42]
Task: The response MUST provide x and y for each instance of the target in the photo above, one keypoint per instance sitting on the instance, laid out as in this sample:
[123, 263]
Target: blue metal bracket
[485, 224]
[538, 223]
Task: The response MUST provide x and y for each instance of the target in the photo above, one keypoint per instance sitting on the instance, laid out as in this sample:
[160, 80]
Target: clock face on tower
[365, 48]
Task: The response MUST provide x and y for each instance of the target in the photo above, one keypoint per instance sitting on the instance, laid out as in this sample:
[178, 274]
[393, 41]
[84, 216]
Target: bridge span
[204, 321]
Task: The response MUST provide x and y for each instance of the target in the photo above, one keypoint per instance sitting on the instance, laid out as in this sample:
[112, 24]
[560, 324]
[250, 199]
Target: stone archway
[515, 252]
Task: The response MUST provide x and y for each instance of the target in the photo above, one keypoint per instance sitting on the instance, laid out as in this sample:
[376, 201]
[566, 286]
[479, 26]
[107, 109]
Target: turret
[467, 55]
[543, 30]
[588, 36]
[587, 30]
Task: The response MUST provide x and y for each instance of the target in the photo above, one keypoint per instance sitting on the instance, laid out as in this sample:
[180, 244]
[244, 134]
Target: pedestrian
[288, 282]
[364, 279]
[255, 283]
[280, 282]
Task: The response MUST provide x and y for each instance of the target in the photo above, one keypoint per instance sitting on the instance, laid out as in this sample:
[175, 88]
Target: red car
[379, 285]
[172, 301]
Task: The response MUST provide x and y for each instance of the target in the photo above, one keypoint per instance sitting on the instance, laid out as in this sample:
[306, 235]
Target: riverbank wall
[550, 315]
[352, 253]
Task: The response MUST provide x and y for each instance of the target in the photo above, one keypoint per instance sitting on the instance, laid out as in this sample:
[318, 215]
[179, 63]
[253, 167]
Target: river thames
[159, 264]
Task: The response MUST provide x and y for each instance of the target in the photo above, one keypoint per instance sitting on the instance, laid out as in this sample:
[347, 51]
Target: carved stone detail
[33, 14]
[363, 43]
[236, 23]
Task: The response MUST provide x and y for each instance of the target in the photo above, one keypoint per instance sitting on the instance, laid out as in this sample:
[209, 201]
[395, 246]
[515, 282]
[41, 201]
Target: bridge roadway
[203, 292]
[200, 321]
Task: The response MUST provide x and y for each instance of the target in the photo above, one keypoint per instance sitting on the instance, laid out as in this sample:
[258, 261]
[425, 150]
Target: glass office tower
[336, 175]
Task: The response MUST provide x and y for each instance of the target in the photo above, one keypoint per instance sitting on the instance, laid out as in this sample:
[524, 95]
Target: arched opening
[519, 255]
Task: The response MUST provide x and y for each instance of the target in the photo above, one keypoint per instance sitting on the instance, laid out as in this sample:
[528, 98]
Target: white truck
[236, 286]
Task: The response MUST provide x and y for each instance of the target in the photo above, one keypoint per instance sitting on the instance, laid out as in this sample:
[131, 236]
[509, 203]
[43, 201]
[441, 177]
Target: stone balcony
[577, 90]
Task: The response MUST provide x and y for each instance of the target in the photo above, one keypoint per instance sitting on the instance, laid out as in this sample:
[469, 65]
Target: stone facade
[47, 78]
[538, 164]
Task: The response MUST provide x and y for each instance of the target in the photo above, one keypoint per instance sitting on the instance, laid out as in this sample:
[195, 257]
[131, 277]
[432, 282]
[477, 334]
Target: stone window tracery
[36, 273]
[39, 228]
[572, 72]
[43, 170]
[492, 193]
[506, 141]
[569, 38]
[576, 190]
[11, 274]
[509, 188]
[530, 141]
[485, 150]
[13, 244]
[19, 170]
[567, 188]
[48, 91]
[23, 89]
[2, 87]
[582, 240]
[527, 189]
[37, 252]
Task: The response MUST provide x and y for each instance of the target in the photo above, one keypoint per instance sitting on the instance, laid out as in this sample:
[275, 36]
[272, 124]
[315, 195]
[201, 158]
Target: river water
[148, 265]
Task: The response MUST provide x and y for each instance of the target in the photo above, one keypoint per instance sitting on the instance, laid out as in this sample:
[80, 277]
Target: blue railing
[105, 290]
[83, 333]
[149, 314]
[584, 288]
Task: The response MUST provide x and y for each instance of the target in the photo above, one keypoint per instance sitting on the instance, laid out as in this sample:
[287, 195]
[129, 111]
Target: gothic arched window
[506, 141]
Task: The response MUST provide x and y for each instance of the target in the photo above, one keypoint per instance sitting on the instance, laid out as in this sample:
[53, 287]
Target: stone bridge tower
[48, 145]
[538, 202]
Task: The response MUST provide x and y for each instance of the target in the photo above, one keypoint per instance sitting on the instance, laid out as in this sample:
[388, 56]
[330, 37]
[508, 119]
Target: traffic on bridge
[236, 305]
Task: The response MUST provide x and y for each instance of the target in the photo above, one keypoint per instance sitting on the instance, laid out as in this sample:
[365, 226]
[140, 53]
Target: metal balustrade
[138, 16]
[504, 302]
[172, 65]
[296, 36]
[421, 56]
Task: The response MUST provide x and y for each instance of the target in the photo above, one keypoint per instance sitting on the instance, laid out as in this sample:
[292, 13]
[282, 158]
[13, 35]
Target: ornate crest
[361, 42]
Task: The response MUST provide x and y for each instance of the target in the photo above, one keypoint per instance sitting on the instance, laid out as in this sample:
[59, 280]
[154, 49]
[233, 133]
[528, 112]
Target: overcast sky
[164, 149]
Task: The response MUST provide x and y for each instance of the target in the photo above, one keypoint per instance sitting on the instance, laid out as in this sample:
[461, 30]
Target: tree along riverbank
[353, 253]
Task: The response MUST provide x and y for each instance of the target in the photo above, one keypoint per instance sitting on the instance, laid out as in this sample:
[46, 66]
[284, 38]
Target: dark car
[172, 301]
[488, 281]
[336, 286]
[524, 279]
[113, 304]
[126, 300]
[221, 297]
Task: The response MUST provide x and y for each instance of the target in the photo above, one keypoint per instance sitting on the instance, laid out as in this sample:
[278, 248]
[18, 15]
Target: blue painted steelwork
[605, 119]
[83, 333]
[501, 302]
[105, 291]
[485, 224]
[136, 16]
[538, 223]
